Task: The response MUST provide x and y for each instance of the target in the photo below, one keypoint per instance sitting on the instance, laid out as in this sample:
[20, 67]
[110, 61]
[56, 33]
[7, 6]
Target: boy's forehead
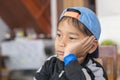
[72, 14]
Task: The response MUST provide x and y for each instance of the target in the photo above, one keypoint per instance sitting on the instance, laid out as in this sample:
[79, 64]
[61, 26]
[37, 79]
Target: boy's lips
[60, 52]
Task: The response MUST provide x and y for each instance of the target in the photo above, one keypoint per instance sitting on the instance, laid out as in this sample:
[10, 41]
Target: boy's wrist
[69, 58]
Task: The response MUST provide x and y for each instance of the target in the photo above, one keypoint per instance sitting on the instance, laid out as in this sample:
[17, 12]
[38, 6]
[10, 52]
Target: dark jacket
[54, 69]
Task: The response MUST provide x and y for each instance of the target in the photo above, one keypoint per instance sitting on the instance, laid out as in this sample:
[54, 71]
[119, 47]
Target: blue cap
[89, 19]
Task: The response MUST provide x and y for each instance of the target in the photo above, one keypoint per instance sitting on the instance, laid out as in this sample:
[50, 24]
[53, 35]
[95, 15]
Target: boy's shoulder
[52, 57]
[51, 60]
[53, 63]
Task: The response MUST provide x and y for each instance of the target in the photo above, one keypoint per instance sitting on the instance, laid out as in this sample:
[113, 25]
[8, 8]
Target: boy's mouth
[60, 52]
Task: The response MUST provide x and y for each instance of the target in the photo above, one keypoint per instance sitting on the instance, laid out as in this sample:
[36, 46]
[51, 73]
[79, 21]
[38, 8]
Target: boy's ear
[94, 46]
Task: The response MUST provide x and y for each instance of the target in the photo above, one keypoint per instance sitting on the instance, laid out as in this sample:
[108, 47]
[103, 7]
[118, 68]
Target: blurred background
[28, 29]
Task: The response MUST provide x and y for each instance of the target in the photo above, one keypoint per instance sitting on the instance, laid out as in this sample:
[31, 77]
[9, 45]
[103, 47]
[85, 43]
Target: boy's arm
[74, 71]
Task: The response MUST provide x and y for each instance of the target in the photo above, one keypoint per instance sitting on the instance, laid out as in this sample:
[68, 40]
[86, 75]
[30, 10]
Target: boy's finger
[82, 42]
[88, 48]
[88, 44]
[89, 41]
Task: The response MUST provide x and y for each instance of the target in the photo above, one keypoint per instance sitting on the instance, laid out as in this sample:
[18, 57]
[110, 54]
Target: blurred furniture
[24, 54]
[4, 72]
[109, 57]
[118, 67]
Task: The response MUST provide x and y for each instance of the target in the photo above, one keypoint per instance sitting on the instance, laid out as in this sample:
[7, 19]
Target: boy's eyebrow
[73, 33]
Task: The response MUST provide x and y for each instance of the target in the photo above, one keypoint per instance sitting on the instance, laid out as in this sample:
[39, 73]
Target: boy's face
[66, 34]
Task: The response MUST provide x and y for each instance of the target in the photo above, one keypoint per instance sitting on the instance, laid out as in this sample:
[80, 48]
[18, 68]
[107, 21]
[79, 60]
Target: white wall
[108, 7]
[108, 12]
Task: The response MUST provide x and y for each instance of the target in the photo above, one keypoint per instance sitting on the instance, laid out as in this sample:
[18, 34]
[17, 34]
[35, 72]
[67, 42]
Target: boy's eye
[72, 38]
[58, 34]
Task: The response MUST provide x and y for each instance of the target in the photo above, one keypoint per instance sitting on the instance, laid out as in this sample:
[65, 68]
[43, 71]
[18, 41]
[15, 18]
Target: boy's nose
[62, 43]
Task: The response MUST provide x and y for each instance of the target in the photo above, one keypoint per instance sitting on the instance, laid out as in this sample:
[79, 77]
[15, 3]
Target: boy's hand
[80, 48]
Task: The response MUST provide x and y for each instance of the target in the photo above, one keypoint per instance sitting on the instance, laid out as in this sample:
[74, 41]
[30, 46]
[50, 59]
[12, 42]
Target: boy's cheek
[55, 44]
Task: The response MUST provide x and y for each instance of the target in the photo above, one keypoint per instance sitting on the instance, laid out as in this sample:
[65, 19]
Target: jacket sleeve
[74, 71]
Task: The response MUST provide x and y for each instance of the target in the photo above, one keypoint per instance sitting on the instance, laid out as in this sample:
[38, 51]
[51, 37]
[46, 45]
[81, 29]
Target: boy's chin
[60, 58]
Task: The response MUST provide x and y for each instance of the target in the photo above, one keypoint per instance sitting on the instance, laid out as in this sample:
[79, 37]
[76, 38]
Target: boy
[76, 45]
